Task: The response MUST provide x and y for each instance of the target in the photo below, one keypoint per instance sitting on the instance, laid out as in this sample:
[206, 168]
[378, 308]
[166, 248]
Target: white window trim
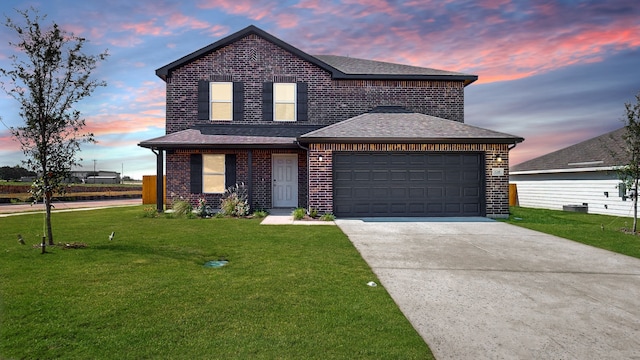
[223, 173]
[295, 102]
[212, 101]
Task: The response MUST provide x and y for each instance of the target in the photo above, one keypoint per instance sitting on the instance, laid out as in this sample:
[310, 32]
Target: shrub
[299, 213]
[328, 217]
[234, 201]
[260, 214]
[313, 213]
[150, 212]
[204, 210]
[181, 208]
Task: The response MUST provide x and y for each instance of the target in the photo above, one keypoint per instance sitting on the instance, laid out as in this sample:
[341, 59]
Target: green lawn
[288, 292]
[596, 230]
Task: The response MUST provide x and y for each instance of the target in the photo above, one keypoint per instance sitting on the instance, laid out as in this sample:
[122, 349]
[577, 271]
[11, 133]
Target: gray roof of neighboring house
[394, 124]
[607, 150]
[338, 66]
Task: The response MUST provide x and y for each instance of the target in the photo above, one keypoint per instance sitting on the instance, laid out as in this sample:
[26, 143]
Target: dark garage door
[408, 184]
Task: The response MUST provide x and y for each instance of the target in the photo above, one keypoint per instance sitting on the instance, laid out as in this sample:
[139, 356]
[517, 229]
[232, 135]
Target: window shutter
[195, 162]
[267, 101]
[301, 99]
[238, 101]
[203, 100]
[229, 170]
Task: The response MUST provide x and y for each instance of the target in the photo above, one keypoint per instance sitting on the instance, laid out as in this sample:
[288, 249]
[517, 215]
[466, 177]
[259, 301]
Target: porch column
[159, 181]
[250, 180]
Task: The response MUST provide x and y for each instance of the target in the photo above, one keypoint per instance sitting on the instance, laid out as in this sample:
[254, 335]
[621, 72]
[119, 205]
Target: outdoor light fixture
[319, 157]
[499, 159]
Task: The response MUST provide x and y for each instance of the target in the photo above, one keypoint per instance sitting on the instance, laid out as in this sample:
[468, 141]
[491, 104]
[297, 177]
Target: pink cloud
[248, 8]
[287, 21]
[7, 142]
[145, 28]
[103, 124]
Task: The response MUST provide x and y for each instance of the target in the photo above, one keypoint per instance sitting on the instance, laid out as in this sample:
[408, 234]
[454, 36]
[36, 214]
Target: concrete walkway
[482, 289]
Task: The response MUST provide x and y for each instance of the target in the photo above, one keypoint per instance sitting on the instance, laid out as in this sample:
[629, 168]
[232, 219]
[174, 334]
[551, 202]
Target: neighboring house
[337, 134]
[583, 173]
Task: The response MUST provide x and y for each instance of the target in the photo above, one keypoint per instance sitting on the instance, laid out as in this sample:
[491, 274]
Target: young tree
[630, 172]
[50, 73]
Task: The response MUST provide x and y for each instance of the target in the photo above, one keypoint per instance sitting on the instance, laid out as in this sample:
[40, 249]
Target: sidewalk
[61, 206]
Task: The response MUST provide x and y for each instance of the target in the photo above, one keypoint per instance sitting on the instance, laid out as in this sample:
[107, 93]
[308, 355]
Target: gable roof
[604, 151]
[395, 124]
[339, 67]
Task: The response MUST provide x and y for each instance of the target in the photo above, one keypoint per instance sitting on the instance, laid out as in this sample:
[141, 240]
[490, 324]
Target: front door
[285, 180]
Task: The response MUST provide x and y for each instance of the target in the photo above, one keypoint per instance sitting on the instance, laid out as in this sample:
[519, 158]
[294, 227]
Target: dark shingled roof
[393, 124]
[225, 136]
[606, 150]
[339, 67]
[355, 66]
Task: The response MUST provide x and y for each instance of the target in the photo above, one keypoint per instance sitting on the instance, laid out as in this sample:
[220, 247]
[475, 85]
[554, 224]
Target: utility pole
[94, 170]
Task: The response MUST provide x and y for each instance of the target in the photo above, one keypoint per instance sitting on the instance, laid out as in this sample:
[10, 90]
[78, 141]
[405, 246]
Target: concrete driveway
[481, 289]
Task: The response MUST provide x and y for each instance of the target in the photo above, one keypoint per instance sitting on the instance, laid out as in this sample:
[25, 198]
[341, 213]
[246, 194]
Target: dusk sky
[553, 72]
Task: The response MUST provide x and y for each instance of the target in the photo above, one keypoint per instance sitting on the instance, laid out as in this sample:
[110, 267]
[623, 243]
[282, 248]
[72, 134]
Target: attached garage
[408, 184]
[392, 162]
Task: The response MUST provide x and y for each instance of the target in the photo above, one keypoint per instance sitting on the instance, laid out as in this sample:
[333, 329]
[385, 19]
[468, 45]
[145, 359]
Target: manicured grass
[596, 230]
[288, 292]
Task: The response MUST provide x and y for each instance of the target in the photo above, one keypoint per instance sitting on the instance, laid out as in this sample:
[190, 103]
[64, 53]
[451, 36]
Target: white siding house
[584, 173]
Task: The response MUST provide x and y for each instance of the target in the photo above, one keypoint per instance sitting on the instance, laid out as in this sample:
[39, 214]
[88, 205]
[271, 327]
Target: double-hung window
[213, 174]
[221, 97]
[284, 101]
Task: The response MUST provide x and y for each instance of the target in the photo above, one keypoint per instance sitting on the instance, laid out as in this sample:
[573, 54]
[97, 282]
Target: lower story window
[213, 176]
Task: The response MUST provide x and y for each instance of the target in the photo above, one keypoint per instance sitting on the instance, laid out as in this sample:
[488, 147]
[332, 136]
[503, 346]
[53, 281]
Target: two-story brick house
[349, 136]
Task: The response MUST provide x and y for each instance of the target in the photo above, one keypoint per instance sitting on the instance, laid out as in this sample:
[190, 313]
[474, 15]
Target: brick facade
[254, 60]
[178, 176]
[496, 186]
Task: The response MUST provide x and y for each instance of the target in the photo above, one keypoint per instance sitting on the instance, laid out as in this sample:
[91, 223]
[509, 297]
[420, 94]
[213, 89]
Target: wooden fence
[513, 195]
[149, 189]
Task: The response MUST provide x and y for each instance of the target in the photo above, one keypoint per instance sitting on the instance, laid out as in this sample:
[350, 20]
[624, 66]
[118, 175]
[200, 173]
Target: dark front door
[408, 184]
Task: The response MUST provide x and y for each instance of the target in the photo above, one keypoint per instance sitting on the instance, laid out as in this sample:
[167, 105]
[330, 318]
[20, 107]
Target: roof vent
[390, 109]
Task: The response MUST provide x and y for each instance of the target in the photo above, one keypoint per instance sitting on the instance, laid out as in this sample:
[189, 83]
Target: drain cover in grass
[216, 263]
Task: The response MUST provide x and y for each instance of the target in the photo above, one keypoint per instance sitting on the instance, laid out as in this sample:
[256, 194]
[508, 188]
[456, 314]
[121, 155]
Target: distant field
[19, 191]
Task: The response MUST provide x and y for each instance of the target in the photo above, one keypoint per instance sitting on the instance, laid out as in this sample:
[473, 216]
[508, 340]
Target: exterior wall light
[499, 159]
[319, 157]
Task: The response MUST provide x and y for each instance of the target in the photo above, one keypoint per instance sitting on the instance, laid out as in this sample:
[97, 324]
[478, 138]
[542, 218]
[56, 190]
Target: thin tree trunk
[635, 205]
[47, 202]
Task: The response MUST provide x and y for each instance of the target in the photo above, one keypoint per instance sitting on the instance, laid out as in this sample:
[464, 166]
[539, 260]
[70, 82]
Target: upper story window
[221, 97]
[284, 101]
[220, 100]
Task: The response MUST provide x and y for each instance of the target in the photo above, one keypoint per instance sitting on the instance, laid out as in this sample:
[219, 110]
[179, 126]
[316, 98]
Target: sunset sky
[555, 73]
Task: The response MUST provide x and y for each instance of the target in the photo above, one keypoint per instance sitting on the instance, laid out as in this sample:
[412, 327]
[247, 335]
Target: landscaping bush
[328, 217]
[299, 213]
[203, 210]
[181, 208]
[260, 214]
[234, 201]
